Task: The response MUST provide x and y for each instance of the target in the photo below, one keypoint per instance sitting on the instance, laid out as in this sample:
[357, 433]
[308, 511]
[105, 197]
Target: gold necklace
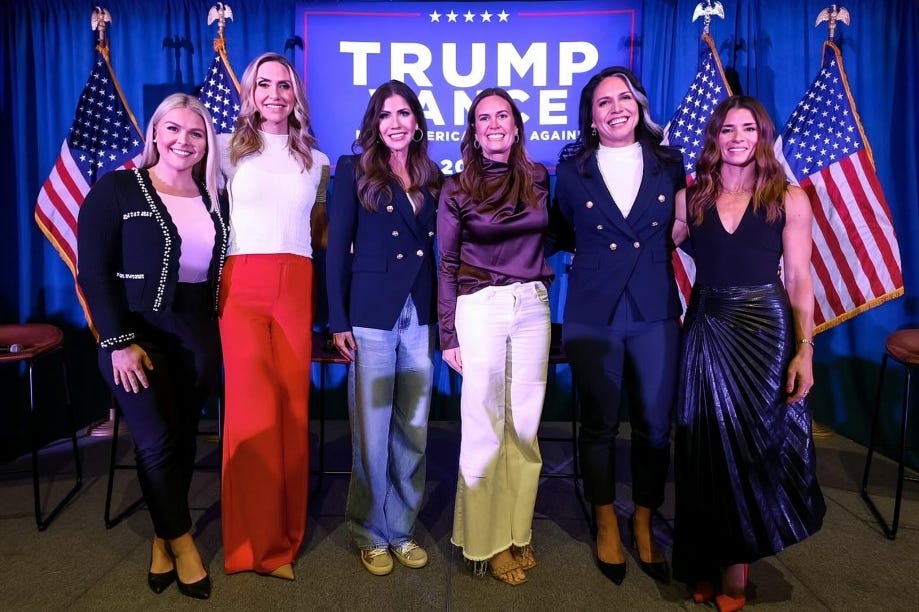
[171, 189]
[736, 192]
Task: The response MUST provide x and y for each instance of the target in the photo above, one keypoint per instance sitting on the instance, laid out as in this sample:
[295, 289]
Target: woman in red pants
[274, 179]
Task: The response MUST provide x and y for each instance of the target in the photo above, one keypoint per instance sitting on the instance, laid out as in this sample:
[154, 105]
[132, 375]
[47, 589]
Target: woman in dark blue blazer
[615, 189]
[380, 265]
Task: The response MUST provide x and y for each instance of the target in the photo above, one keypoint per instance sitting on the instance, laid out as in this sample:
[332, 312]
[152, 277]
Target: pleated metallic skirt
[745, 471]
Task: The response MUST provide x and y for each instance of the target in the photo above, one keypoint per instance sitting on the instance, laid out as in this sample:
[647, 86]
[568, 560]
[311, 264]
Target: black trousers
[633, 357]
[184, 346]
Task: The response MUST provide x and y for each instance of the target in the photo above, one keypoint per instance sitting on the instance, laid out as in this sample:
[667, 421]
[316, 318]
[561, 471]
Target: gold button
[395, 233]
[419, 253]
[589, 204]
[636, 244]
[661, 198]
[612, 246]
[389, 208]
[400, 256]
[599, 227]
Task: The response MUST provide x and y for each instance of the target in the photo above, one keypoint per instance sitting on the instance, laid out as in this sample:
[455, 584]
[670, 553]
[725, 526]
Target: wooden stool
[903, 347]
[325, 354]
[30, 343]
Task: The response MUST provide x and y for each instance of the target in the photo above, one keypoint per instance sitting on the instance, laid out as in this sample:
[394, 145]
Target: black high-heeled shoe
[161, 581]
[200, 589]
[615, 572]
[660, 570]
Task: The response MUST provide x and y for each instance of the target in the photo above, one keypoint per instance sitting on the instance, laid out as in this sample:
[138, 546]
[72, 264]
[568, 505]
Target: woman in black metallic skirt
[745, 470]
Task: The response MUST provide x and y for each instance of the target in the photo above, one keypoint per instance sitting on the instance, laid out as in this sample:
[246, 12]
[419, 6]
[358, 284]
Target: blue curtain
[770, 50]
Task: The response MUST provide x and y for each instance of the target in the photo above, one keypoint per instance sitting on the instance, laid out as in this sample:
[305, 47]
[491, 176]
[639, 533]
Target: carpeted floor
[78, 564]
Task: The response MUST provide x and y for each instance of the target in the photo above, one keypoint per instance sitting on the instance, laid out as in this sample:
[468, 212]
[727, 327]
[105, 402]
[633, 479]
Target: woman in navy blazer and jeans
[615, 188]
[380, 265]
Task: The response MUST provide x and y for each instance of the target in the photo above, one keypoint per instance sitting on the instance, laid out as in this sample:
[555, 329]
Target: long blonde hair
[207, 168]
[246, 139]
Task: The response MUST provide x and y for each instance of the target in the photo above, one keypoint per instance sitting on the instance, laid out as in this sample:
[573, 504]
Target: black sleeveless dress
[745, 476]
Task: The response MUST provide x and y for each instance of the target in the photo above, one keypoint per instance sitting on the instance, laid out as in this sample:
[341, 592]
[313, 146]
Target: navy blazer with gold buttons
[615, 254]
[375, 259]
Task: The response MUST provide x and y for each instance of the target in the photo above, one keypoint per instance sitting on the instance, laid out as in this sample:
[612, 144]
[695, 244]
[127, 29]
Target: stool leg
[33, 430]
[73, 423]
[322, 378]
[111, 521]
[874, 427]
[113, 456]
[900, 471]
[44, 522]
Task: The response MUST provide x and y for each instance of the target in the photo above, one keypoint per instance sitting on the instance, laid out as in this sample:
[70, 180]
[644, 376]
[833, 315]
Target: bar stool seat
[31, 343]
[903, 347]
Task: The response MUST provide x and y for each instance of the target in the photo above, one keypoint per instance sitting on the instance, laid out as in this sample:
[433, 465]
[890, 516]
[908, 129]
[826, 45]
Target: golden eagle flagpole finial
[832, 15]
[706, 10]
[100, 17]
[220, 12]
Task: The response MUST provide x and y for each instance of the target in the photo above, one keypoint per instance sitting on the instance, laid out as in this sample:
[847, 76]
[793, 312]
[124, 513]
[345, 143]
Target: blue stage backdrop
[542, 53]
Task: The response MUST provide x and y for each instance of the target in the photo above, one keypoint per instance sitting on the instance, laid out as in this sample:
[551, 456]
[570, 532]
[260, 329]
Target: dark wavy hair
[769, 185]
[647, 132]
[374, 173]
[522, 169]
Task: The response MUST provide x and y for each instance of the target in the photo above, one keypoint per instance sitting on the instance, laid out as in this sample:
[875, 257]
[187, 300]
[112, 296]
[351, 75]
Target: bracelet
[808, 341]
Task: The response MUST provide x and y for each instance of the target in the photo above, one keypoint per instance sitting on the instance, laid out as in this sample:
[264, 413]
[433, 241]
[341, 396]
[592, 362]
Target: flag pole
[831, 16]
[106, 428]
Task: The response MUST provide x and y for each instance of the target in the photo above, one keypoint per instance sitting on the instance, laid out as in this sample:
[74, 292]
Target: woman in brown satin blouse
[494, 326]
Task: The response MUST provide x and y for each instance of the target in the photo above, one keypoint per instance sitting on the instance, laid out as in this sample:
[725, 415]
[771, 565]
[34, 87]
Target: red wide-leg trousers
[266, 325]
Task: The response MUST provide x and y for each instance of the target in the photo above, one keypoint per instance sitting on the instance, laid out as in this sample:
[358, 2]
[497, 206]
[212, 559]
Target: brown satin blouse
[498, 241]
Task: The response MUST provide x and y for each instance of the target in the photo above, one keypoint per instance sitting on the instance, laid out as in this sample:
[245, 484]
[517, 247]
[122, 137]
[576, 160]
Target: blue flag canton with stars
[687, 127]
[822, 130]
[103, 136]
[219, 96]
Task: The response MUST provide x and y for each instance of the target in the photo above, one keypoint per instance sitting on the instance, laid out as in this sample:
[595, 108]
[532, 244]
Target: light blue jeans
[389, 396]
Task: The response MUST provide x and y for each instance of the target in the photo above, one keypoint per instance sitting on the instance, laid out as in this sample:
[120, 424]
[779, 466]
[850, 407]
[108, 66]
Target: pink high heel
[728, 603]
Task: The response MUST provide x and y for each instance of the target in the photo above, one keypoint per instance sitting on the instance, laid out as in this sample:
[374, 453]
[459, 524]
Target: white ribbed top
[270, 200]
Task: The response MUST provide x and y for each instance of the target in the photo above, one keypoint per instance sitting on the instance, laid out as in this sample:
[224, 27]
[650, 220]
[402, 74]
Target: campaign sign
[542, 53]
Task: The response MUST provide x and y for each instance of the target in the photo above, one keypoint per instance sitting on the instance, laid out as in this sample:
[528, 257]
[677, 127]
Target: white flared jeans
[503, 335]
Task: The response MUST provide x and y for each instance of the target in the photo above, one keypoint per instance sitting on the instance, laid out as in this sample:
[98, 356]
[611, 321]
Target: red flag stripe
[870, 198]
[52, 233]
[844, 188]
[832, 223]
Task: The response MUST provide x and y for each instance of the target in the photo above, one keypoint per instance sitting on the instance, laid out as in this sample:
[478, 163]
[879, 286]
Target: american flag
[856, 257]
[220, 92]
[686, 131]
[104, 136]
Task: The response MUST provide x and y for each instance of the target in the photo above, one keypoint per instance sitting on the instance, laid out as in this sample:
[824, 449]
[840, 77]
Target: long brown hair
[769, 186]
[522, 169]
[246, 139]
[374, 173]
